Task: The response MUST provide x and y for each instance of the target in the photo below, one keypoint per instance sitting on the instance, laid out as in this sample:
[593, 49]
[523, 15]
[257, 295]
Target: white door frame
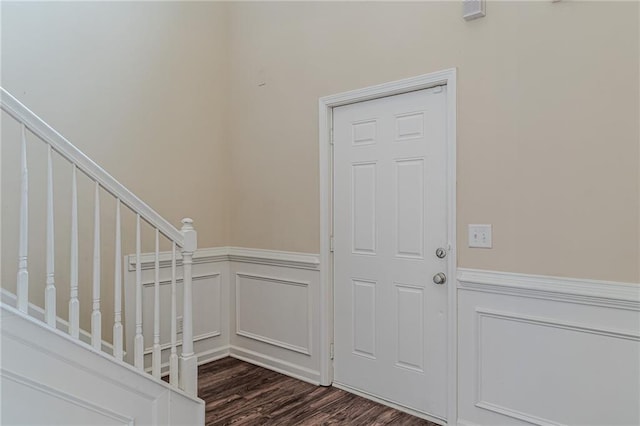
[326, 105]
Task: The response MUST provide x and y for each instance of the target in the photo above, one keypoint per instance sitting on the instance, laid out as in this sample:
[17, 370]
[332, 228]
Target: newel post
[188, 361]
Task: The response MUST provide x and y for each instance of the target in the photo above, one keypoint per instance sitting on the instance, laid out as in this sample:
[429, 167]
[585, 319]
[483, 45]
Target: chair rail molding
[234, 254]
[575, 290]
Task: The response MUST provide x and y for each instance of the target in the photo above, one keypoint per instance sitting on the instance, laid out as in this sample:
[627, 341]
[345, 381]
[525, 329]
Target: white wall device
[480, 236]
[473, 9]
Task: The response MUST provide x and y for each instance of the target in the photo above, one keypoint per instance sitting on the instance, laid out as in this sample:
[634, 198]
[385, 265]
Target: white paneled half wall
[260, 306]
[531, 349]
[547, 351]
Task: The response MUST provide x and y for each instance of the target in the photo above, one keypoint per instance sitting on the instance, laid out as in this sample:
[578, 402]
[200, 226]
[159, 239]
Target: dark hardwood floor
[238, 393]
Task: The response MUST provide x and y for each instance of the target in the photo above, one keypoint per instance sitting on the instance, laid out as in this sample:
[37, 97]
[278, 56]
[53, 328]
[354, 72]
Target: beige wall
[139, 87]
[165, 96]
[548, 116]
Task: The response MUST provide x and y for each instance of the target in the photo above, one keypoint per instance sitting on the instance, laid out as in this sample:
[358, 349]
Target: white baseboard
[275, 364]
[462, 422]
[204, 357]
[213, 355]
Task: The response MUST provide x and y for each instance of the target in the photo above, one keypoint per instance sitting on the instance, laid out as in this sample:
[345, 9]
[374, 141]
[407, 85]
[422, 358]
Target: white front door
[390, 218]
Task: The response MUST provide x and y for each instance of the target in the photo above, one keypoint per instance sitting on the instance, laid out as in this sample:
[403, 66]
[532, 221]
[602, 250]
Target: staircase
[52, 370]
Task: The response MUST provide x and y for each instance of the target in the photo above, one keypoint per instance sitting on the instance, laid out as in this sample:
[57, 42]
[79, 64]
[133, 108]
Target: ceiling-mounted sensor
[473, 9]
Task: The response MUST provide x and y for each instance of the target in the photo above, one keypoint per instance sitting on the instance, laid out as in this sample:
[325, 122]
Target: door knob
[439, 278]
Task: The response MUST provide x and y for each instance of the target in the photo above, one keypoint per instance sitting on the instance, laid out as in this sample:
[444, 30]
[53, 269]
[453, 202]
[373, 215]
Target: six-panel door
[390, 217]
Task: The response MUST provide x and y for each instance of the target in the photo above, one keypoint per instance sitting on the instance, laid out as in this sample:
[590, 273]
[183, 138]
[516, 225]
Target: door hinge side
[331, 351]
[331, 137]
[331, 244]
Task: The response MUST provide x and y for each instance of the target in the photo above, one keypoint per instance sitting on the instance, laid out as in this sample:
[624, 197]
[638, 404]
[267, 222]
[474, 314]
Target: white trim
[481, 313]
[199, 337]
[325, 105]
[515, 414]
[574, 290]
[273, 342]
[148, 284]
[65, 148]
[233, 254]
[36, 345]
[392, 404]
[204, 357]
[213, 355]
[265, 339]
[37, 312]
[57, 393]
[204, 255]
[287, 259]
[275, 364]
[466, 423]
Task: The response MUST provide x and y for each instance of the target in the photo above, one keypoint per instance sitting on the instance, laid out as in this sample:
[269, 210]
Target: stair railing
[182, 370]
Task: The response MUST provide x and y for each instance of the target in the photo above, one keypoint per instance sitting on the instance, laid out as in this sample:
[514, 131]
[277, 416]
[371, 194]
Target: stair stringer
[49, 378]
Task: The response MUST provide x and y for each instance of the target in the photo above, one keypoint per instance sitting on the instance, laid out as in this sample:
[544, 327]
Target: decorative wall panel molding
[547, 351]
[274, 310]
[514, 331]
[261, 305]
[210, 304]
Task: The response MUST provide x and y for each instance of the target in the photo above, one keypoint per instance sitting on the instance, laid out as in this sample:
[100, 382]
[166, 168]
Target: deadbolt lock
[441, 253]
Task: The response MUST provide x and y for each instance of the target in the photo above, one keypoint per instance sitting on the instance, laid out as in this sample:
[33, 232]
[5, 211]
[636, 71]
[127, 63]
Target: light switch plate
[480, 236]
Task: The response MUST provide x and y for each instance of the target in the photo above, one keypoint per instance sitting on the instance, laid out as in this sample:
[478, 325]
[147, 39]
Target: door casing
[325, 120]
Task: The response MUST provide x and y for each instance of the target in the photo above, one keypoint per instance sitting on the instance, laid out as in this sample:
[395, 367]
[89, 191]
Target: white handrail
[185, 238]
[60, 144]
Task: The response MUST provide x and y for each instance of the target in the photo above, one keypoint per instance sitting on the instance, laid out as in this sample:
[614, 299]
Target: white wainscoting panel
[49, 378]
[275, 312]
[534, 353]
[210, 310]
[261, 306]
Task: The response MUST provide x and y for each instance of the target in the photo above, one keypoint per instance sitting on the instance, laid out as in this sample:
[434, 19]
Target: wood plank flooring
[238, 393]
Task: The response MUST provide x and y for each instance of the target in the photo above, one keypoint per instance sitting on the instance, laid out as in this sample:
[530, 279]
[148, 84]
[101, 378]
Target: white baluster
[173, 358]
[74, 303]
[155, 361]
[117, 282]
[50, 289]
[138, 343]
[23, 249]
[188, 360]
[96, 316]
